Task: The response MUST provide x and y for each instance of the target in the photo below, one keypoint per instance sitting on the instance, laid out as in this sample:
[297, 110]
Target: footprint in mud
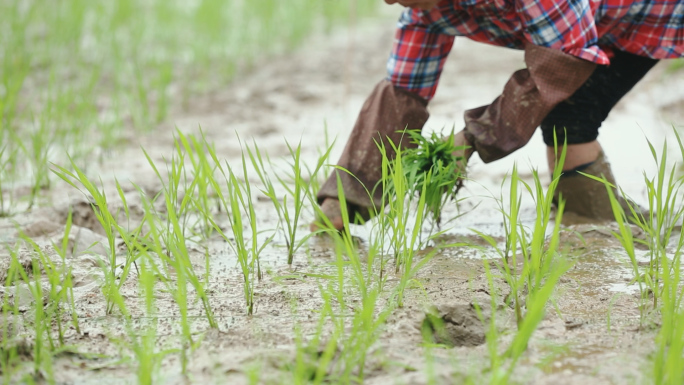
[455, 325]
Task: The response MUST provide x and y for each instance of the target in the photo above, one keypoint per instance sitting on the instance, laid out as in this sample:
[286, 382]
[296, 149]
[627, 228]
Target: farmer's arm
[530, 94]
[419, 52]
[398, 102]
[561, 54]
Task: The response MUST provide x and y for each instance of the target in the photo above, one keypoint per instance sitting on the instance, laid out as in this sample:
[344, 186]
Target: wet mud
[590, 334]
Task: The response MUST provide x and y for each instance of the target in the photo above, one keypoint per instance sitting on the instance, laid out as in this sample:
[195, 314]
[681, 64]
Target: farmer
[582, 57]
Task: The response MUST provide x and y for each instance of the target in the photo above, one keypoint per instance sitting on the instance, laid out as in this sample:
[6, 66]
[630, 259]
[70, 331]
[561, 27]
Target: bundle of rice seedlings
[436, 164]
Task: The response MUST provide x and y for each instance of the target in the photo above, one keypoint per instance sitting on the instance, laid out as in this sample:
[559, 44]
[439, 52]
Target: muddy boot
[587, 200]
[387, 112]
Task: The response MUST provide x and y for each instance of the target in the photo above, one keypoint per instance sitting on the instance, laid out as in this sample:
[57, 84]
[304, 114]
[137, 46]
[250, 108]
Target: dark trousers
[580, 116]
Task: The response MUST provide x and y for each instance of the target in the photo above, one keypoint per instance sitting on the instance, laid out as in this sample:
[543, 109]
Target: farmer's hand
[421, 4]
[466, 148]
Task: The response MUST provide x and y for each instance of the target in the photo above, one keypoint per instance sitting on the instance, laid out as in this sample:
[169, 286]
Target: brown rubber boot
[587, 200]
[387, 112]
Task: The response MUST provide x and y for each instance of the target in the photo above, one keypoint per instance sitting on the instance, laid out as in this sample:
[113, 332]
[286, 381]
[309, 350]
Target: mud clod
[455, 325]
[41, 228]
[84, 216]
[24, 259]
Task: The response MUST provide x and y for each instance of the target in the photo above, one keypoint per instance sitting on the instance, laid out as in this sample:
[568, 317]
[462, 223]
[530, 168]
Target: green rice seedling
[492, 333]
[397, 218]
[268, 189]
[660, 286]
[355, 341]
[37, 154]
[237, 202]
[143, 343]
[185, 191]
[366, 324]
[536, 308]
[11, 350]
[177, 247]
[342, 357]
[201, 194]
[55, 297]
[248, 256]
[542, 252]
[313, 358]
[424, 177]
[668, 360]
[59, 277]
[254, 375]
[297, 188]
[5, 189]
[10, 164]
[542, 268]
[433, 156]
[399, 223]
[541, 271]
[48, 307]
[173, 238]
[391, 226]
[509, 255]
[134, 242]
[99, 204]
[43, 344]
[175, 186]
[538, 256]
[61, 250]
[161, 244]
[113, 280]
[393, 222]
[188, 187]
[142, 333]
[626, 239]
[396, 221]
[666, 215]
[408, 243]
[345, 245]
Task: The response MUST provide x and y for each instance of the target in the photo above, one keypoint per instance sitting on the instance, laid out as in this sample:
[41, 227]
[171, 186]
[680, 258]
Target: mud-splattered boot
[587, 200]
[387, 112]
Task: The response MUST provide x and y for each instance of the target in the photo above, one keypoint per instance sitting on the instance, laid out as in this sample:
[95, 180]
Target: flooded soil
[590, 334]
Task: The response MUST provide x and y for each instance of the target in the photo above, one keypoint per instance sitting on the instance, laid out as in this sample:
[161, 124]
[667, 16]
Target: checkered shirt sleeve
[586, 29]
[419, 51]
[568, 26]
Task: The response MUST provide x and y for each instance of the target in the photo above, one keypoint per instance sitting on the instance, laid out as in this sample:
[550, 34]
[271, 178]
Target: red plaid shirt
[587, 29]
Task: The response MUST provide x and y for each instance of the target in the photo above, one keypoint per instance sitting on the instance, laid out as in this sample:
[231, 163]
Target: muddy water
[590, 334]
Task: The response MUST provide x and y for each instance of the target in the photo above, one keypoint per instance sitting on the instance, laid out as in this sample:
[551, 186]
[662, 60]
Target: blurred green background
[75, 74]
